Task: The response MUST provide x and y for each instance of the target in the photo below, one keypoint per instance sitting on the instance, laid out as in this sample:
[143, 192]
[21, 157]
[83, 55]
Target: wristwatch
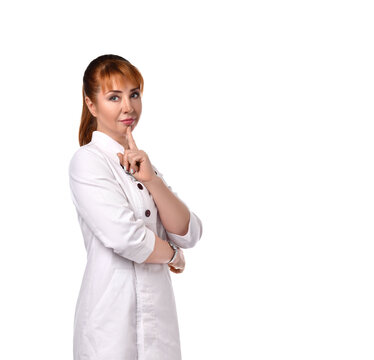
[175, 248]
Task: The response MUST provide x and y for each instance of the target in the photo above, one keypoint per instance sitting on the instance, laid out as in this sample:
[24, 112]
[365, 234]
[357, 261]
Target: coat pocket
[111, 326]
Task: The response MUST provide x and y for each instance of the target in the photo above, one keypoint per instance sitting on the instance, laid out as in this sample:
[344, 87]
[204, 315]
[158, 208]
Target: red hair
[100, 75]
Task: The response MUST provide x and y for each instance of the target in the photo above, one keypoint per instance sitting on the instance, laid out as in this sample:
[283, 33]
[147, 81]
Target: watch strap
[175, 248]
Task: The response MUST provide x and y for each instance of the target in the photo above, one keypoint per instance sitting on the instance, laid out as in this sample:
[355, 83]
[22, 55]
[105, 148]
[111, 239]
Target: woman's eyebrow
[119, 91]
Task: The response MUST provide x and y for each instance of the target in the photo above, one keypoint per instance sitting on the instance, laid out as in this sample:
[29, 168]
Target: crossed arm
[173, 213]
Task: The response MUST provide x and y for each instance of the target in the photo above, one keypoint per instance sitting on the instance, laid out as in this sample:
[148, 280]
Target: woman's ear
[91, 106]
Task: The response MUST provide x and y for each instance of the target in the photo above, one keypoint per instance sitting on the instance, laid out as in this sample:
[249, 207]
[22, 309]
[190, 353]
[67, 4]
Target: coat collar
[107, 144]
[110, 146]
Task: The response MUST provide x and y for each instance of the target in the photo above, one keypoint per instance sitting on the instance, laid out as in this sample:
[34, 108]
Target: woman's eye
[135, 95]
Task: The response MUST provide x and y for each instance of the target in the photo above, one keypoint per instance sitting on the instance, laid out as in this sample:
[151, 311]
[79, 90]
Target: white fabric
[125, 308]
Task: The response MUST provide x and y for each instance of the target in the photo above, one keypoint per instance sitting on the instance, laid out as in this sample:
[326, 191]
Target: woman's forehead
[117, 82]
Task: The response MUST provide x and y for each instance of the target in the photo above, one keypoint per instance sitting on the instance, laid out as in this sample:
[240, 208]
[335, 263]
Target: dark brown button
[140, 186]
[155, 172]
[147, 213]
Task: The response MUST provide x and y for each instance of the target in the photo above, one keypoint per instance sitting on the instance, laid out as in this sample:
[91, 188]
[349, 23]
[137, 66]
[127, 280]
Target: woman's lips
[127, 122]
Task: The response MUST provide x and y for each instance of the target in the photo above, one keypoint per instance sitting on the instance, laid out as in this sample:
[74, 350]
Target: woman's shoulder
[87, 158]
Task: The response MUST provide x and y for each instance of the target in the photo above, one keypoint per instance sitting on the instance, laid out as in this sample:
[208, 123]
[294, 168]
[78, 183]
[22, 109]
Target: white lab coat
[126, 308]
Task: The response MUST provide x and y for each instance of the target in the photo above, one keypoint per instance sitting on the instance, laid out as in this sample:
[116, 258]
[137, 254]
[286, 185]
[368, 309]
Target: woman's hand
[137, 160]
[177, 266]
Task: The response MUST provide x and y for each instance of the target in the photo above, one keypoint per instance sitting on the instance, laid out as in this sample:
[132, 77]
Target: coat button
[147, 213]
[140, 186]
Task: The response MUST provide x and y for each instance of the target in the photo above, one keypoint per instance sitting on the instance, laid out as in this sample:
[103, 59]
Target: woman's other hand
[177, 266]
[137, 160]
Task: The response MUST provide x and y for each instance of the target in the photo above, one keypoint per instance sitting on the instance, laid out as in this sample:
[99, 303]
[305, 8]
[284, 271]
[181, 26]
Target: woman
[134, 226]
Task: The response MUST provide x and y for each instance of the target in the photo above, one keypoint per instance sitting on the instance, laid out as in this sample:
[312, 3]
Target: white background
[259, 114]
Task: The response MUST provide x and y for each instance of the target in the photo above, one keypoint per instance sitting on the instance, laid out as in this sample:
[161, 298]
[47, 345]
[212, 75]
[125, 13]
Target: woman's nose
[126, 106]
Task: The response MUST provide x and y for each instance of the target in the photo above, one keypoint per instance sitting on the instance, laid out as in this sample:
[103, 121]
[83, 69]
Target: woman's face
[118, 103]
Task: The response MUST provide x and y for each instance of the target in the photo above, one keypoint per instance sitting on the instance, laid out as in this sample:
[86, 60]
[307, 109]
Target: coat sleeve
[102, 204]
[195, 226]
